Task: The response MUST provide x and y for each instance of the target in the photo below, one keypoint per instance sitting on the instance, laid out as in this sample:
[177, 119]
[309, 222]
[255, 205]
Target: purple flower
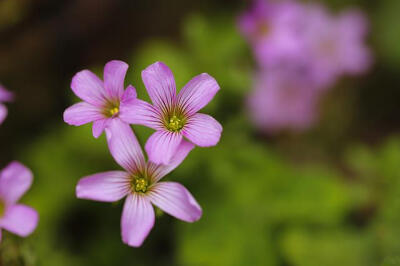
[173, 116]
[101, 100]
[272, 28]
[283, 101]
[140, 184]
[335, 45]
[5, 96]
[16, 218]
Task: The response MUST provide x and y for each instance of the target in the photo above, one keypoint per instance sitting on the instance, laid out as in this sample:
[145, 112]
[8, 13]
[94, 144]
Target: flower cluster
[301, 51]
[15, 180]
[178, 128]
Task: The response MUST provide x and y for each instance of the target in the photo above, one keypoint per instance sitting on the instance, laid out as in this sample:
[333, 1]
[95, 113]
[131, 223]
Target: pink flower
[16, 218]
[5, 96]
[139, 183]
[173, 116]
[101, 100]
[283, 101]
[271, 28]
[335, 45]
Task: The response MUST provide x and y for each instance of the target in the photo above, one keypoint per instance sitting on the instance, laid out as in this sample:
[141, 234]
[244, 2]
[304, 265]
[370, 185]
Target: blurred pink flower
[5, 96]
[272, 29]
[282, 101]
[173, 116]
[101, 100]
[16, 218]
[335, 45]
[140, 184]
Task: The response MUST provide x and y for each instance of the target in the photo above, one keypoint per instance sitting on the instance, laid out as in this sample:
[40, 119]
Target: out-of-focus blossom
[272, 29]
[16, 218]
[140, 184]
[292, 40]
[5, 96]
[281, 101]
[101, 100]
[173, 116]
[335, 45]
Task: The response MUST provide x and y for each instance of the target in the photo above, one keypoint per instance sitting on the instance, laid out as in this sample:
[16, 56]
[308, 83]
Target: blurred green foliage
[261, 207]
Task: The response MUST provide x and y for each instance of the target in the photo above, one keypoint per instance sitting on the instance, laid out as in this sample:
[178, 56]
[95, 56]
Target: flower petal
[159, 171]
[139, 112]
[20, 220]
[162, 145]
[176, 200]
[99, 126]
[137, 219]
[15, 180]
[5, 95]
[197, 93]
[203, 130]
[108, 186]
[114, 77]
[160, 85]
[129, 94]
[82, 113]
[3, 113]
[87, 86]
[124, 146]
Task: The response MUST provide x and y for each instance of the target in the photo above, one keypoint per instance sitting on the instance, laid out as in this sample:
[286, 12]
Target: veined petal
[20, 220]
[162, 145]
[87, 86]
[15, 180]
[137, 219]
[124, 146]
[99, 126]
[176, 200]
[139, 112]
[114, 77]
[108, 186]
[159, 171]
[197, 93]
[3, 113]
[82, 113]
[203, 130]
[160, 85]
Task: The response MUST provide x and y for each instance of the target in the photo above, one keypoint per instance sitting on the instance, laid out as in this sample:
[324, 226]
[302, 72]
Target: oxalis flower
[16, 218]
[173, 115]
[5, 96]
[139, 183]
[101, 100]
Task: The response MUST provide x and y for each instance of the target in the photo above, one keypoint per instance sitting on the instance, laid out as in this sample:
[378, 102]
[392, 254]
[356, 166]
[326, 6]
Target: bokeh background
[329, 195]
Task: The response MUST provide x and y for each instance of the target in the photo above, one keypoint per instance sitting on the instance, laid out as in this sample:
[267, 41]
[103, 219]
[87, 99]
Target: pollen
[114, 111]
[175, 124]
[140, 184]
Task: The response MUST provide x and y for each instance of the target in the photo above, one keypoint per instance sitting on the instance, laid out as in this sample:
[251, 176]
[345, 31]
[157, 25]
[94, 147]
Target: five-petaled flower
[16, 218]
[5, 96]
[173, 116]
[140, 184]
[101, 100]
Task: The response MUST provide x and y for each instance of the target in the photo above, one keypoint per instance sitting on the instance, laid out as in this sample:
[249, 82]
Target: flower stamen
[114, 111]
[140, 184]
[175, 124]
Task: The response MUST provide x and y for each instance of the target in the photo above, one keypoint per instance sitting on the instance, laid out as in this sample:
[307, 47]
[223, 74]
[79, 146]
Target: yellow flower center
[175, 124]
[114, 111]
[140, 184]
[2, 208]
